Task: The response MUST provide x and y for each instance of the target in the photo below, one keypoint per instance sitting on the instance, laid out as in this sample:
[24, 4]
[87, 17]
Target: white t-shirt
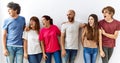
[71, 34]
[32, 42]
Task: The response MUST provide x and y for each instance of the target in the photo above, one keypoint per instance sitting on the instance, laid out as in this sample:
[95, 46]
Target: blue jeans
[56, 55]
[70, 56]
[15, 53]
[35, 58]
[90, 55]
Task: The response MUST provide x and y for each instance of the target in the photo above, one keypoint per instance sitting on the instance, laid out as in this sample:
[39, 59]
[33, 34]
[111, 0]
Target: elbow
[115, 37]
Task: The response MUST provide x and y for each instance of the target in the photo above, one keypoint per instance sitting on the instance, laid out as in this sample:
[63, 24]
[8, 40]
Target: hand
[27, 28]
[63, 53]
[25, 55]
[5, 52]
[102, 54]
[45, 56]
[63, 23]
[103, 31]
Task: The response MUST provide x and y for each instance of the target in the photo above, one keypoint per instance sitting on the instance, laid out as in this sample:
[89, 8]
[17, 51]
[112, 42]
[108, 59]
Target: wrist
[4, 48]
[63, 49]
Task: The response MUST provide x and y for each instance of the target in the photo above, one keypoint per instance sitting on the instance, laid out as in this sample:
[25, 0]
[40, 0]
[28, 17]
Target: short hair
[14, 6]
[110, 9]
[72, 11]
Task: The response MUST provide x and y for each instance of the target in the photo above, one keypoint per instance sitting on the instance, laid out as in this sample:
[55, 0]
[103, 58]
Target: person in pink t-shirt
[109, 28]
[49, 40]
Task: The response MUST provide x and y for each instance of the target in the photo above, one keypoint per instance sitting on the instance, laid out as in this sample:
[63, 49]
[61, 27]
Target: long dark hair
[48, 18]
[93, 33]
[37, 23]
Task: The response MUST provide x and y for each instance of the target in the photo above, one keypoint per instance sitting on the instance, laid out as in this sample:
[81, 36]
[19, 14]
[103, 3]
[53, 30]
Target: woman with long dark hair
[90, 39]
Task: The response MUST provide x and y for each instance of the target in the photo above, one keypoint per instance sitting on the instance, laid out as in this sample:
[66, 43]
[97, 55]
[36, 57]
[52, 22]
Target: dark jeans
[108, 52]
[90, 55]
[56, 55]
[35, 58]
[70, 56]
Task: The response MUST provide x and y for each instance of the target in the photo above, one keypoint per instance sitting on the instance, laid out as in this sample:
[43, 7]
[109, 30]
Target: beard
[70, 19]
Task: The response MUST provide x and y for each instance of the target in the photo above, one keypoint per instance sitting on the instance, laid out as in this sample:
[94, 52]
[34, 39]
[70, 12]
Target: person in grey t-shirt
[69, 38]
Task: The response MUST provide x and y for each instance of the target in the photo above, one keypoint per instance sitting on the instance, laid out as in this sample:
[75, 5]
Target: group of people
[34, 43]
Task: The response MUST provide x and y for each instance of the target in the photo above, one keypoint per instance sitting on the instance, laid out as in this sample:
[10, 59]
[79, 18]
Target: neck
[71, 21]
[15, 16]
[47, 26]
[109, 19]
[33, 28]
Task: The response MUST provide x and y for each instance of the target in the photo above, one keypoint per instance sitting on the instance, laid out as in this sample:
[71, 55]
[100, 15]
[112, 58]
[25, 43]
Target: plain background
[57, 9]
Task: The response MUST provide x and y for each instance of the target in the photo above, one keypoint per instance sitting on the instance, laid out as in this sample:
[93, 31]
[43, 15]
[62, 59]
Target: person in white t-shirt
[32, 48]
[69, 38]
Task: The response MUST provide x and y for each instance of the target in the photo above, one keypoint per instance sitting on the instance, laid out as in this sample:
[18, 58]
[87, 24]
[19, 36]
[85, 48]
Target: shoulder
[117, 21]
[8, 20]
[55, 26]
[101, 21]
[42, 29]
[64, 24]
[84, 30]
[77, 22]
[21, 17]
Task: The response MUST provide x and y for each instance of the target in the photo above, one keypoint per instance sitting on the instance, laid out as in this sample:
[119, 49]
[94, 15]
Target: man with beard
[69, 38]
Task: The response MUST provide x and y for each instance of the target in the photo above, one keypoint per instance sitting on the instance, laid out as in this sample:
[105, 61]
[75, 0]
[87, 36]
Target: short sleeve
[63, 28]
[25, 35]
[24, 21]
[99, 25]
[41, 35]
[5, 25]
[118, 25]
[57, 30]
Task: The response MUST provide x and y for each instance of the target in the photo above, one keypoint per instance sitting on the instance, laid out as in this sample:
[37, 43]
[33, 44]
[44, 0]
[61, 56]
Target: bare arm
[43, 50]
[82, 25]
[62, 43]
[42, 47]
[112, 36]
[83, 35]
[4, 36]
[100, 40]
[25, 49]
[102, 54]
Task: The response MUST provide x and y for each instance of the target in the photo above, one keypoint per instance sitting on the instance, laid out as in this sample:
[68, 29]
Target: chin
[91, 25]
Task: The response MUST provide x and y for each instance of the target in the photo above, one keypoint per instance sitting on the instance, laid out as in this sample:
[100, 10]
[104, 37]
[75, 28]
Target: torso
[89, 43]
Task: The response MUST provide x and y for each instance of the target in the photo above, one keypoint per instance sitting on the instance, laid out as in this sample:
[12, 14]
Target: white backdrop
[57, 10]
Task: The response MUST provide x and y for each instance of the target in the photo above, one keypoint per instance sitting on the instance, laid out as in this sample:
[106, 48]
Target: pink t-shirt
[50, 38]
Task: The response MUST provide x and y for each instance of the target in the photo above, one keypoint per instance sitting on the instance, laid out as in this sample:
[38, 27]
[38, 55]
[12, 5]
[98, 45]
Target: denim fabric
[70, 56]
[108, 52]
[15, 53]
[35, 58]
[90, 55]
[56, 55]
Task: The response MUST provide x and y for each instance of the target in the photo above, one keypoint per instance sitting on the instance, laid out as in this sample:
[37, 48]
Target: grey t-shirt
[71, 31]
